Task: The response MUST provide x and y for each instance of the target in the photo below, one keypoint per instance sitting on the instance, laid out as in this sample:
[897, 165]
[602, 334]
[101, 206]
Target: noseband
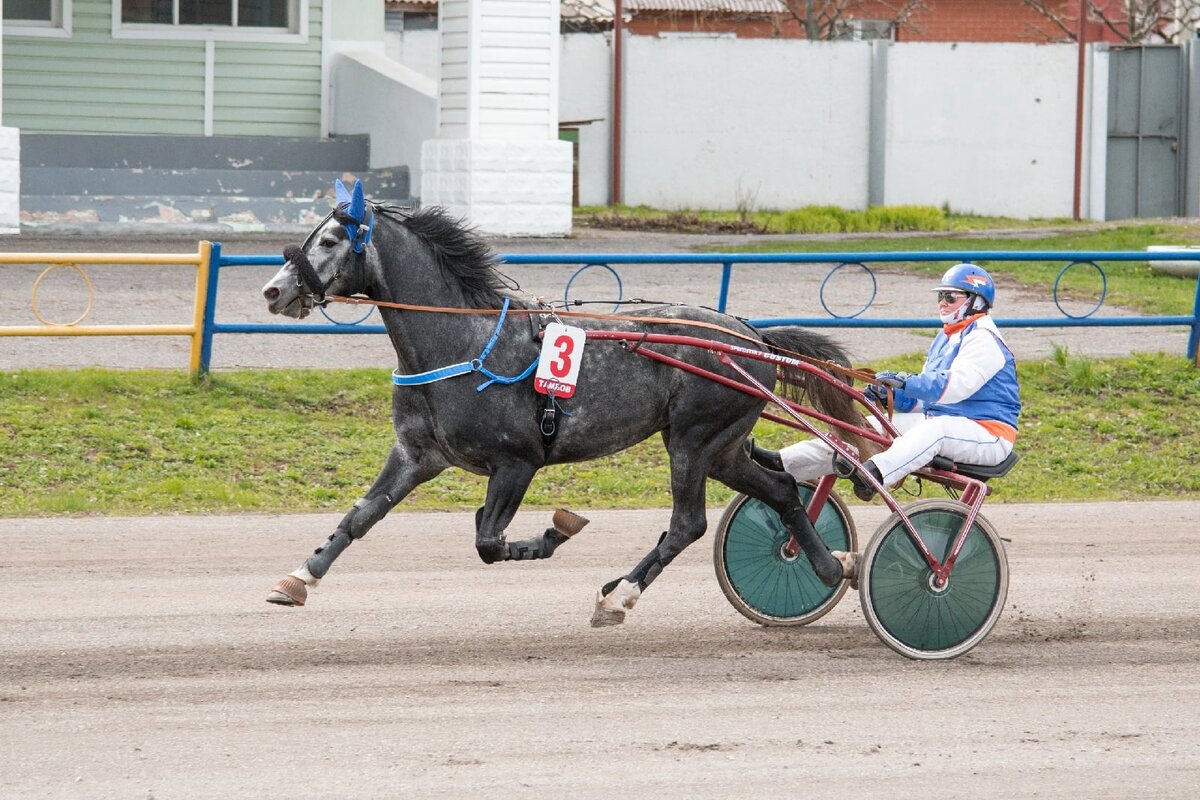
[308, 279]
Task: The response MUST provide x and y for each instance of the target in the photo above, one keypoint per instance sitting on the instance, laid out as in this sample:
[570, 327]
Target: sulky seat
[977, 471]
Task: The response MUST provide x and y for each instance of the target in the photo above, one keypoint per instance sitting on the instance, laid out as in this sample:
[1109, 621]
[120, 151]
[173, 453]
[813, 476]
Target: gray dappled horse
[425, 258]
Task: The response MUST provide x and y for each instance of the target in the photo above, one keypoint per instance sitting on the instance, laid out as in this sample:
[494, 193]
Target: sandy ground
[126, 295]
[138, 660]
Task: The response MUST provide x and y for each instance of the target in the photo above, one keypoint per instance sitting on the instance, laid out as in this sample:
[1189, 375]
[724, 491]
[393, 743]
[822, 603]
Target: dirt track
[138, 660]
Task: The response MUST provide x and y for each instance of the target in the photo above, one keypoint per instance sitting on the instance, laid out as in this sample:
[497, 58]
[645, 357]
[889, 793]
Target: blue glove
[900, 401]
[876, 394]
[894, 379]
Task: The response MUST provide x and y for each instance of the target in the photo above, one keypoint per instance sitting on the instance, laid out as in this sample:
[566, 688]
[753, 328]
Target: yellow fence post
[203, 265]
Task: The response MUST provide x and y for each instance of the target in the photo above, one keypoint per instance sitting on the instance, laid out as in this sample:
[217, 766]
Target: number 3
[561, 366]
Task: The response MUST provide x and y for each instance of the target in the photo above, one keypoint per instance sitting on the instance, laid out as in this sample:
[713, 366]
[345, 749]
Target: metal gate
[1146, 112]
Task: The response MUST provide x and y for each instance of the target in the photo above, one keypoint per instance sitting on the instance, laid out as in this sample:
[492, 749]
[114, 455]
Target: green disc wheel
[759, 578]
[899, 599]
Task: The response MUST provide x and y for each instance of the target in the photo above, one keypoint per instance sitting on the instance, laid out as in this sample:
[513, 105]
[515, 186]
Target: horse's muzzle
[308, 276]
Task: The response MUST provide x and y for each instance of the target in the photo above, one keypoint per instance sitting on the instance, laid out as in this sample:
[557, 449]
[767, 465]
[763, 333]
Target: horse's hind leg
[690, 458]
[400, 473]
[778, 490]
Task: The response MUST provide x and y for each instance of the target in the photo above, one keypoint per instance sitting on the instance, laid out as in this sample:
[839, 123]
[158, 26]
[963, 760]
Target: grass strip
[149, 442]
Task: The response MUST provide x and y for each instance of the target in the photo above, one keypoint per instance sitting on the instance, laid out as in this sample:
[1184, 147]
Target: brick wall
[980, 21]
[942, 21]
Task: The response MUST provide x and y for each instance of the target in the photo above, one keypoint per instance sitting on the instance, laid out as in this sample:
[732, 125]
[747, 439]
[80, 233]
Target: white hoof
[610, 609]
[849, 562]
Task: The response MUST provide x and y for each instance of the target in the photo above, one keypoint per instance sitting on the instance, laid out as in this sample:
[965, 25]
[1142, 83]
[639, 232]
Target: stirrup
[863, 489]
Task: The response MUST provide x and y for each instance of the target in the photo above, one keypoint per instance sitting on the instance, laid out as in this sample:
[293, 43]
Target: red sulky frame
[973, 491]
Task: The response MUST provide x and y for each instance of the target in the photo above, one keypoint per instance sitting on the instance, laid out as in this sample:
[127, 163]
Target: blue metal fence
[727, 261]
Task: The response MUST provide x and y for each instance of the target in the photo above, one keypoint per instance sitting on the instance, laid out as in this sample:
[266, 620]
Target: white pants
[921, 438]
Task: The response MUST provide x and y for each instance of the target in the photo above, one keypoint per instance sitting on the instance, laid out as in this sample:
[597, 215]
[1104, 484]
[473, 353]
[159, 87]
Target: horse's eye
[328, 242]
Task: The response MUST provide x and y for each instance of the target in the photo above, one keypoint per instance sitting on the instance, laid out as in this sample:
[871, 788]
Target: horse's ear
[358, 204]
[340, 194]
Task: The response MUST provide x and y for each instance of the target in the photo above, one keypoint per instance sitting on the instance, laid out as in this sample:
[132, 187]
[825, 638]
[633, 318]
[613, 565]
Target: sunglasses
[949, 297]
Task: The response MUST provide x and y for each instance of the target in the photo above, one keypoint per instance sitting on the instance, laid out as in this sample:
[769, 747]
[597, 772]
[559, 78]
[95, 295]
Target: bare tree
[831, 19]
[1133, 21]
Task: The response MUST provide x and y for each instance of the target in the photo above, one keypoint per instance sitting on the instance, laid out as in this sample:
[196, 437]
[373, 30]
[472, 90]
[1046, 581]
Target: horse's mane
[462, 256]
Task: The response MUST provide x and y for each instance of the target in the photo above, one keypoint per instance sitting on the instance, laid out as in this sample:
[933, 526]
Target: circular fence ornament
[616, 277]
[1103, 288]
[33, 301]
[834, 271]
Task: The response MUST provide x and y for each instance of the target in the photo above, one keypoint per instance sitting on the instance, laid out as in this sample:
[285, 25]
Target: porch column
[10, 169]
[497, 160]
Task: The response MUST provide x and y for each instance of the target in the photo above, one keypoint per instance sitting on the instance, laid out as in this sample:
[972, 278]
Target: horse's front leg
[506, 489]
[401, 472]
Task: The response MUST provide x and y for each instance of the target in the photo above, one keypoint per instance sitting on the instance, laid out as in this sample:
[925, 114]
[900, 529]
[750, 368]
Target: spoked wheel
[899, 599]
[760, 579]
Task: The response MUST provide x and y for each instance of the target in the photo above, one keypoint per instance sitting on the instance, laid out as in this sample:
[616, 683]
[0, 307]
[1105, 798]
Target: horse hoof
[492, 551]
[603, 616]
[568, 523]
[610, 609]
[290, 591]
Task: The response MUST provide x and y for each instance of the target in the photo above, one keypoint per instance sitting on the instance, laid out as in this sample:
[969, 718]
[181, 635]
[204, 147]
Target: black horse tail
[806, 388]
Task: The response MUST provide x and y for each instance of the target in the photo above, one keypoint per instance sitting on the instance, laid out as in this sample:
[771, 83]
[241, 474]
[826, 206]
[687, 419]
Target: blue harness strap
[465, 367]
[452, 371]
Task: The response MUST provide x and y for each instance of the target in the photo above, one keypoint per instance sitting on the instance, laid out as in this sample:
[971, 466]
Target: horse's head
[331, 260]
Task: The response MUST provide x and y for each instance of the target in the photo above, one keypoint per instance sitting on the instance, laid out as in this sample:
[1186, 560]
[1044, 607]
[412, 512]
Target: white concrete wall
[398, 107]
[504, 187]
[714, 122]
[417, 50]
[711, 121]
[983, 128]
[586, 95]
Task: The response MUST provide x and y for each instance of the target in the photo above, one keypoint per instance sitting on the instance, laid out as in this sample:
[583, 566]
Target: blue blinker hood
[355, 216]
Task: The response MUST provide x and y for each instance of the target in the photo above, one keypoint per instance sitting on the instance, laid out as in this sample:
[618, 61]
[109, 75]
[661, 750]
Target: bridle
[359, 232]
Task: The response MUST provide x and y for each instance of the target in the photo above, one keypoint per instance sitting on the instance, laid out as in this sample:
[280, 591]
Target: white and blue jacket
[970, 372]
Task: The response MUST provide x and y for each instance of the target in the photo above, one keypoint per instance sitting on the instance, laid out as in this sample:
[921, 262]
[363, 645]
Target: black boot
[863, 489]
[762, 456]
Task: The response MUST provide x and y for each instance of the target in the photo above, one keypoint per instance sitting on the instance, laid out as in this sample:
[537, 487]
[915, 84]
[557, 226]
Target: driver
[963, 405]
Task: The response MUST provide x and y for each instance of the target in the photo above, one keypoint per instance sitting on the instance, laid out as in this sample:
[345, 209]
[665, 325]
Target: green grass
[804, 220]
[109, 442]
[1130, 284]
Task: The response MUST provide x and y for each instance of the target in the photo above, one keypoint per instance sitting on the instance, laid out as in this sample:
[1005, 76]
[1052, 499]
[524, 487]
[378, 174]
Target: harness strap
[863, 375]
[433, 375]
[547, 422]
[464, 367]
[500, 379]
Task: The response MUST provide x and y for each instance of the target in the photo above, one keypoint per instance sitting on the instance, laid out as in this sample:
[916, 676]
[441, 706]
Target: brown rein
[863, 375]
